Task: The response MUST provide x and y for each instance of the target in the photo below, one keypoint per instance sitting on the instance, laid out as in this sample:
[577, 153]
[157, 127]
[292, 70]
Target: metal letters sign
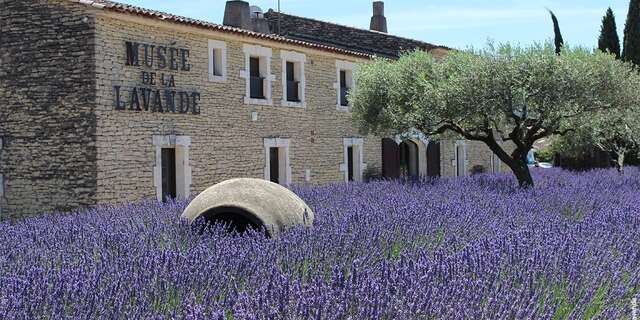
[157, 91]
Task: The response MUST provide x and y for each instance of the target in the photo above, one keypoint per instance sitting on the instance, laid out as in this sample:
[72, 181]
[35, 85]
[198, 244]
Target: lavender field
[470, 248]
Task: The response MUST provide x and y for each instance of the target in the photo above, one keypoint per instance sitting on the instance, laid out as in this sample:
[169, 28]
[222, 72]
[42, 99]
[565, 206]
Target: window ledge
[292, 104]
[262, 102]
[214, 78]
[342, 108]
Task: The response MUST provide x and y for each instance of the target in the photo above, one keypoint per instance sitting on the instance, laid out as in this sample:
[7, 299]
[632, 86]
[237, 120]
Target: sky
[454, 23]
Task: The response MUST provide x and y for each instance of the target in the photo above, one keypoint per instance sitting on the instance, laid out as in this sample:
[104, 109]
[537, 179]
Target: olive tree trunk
[620, 155]
[516, 161]
[523, 174]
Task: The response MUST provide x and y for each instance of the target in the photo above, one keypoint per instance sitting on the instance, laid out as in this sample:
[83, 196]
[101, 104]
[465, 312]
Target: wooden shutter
[390, 159]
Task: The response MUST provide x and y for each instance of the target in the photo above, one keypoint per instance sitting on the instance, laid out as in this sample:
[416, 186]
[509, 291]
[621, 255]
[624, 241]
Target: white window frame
[283, 161]
[465, 172]
[221, 48]
[350, 67]
[183, 167]
[264, 54]
[299, 60]
[359, 165]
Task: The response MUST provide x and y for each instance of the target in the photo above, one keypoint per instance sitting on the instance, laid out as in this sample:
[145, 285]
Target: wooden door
[433, 159]
[274, 165]
[390, 159]
[168, 163]
[350, 163]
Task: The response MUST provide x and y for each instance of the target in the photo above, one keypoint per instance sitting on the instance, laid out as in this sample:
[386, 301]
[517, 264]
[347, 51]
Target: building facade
[110, 103]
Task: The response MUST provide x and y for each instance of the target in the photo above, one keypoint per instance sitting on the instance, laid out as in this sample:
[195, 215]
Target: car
[533, 163]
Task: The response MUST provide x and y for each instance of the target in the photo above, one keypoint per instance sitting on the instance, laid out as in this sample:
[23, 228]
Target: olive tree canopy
[504, 96]
[617, 132]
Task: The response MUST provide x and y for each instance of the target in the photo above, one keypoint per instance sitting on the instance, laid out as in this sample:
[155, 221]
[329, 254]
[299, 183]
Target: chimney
[258, 22]
[378, 21]
[237, 14]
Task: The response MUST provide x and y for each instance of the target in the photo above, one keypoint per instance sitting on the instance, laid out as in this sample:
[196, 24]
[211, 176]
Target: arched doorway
[409, 159]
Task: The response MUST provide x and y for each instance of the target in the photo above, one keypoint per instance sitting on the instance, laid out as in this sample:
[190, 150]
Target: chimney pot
[378, 21]
[378, 8]
[237, 14]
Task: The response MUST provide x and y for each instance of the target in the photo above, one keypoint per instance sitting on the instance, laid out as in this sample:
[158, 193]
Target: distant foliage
[503, 96]
[632, 34]
[617, 132]
[609, 40]
[469, 248]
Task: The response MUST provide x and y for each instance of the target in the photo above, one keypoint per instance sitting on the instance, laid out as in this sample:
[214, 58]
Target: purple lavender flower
[451, 248]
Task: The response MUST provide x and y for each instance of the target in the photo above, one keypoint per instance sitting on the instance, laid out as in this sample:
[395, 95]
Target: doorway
[433, 159]
[461, 157]
[274, 165]
[350, 157]
[352, 165]
[277, 166]
[390, 159]
[409, 159]
[168, 163]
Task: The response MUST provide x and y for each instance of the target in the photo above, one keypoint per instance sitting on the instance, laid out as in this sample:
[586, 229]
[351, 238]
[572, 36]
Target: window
[256, 83]
[292, 85]
[353, 165]
[343, 89]
[257, 75]
[277, 167]
[172, 172]
[293, 79]
[217, 61]
[345, 82]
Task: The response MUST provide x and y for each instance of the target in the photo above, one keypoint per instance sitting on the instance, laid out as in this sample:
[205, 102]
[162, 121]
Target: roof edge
[117, 7]
[435, 46]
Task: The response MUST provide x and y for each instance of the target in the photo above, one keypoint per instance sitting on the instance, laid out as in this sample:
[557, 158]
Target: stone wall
[65, 144]
[477, 154]
[47, 124]
[225, 142]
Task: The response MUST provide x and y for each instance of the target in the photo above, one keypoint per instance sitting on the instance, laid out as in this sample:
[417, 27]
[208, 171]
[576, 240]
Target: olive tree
[506, 97]
[616, 132]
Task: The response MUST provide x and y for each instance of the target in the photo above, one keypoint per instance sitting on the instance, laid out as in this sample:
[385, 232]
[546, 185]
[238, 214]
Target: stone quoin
[109, 103]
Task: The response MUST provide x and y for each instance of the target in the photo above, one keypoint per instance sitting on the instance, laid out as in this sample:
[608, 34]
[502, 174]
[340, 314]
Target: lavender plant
[468, 248]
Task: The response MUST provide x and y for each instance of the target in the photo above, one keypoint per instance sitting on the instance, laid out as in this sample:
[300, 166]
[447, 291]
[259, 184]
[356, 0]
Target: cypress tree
[559, 42]
[609, 40]
[632, 34]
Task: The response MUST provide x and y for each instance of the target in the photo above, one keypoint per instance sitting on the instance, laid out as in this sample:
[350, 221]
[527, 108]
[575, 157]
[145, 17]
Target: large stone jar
[255, 203]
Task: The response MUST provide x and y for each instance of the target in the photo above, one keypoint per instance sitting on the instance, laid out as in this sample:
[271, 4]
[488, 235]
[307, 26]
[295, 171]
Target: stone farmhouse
[110, 103]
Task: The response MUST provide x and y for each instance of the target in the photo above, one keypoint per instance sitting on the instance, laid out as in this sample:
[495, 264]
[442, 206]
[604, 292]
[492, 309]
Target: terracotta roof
[134, 10]
[345, 37]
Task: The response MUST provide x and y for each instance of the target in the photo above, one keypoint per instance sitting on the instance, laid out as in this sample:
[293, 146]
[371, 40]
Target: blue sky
[454, 23]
